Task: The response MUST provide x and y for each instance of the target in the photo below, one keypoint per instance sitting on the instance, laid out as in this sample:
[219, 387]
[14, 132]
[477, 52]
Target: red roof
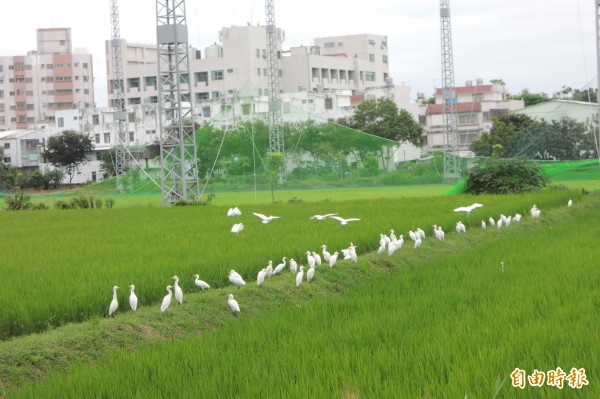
[468, 89]
[460, 107]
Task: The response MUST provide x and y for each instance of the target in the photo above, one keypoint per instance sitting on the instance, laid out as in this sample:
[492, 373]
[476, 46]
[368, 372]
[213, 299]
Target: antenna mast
[276, 144]
[120, 114]
[451, 160]
[178, 155]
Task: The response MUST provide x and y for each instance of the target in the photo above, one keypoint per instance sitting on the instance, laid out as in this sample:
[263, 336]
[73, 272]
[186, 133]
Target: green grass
[442, 321]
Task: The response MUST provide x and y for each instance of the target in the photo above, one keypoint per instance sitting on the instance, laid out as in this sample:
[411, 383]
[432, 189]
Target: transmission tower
[178, 158]
[451, 159]
[120, 114]
[276, 144]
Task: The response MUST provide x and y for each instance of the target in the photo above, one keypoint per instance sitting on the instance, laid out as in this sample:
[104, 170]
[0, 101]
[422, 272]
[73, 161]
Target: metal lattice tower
[276, 144]
[120, 114]
[598, 66]
[178, 156]
[451, 160]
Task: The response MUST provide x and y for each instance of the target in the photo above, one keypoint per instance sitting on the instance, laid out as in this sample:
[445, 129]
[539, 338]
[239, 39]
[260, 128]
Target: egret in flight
[343, 221]
[322, 217]
[167, 299]
[114, 304]
[133, 298]
[469, 208]
[265, 219]
[234, 212]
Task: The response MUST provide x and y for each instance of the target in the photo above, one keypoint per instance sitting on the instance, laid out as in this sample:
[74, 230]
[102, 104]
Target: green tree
[68, 150]
[531, 98]
[503, 176]
[274, 169]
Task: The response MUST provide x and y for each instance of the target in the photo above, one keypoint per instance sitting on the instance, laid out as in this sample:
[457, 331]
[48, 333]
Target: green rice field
[443, 320]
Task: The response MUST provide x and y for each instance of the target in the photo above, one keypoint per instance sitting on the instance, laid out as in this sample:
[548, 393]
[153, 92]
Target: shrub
[98, 203]
[507, 175]
[19, 202]
[110, 202]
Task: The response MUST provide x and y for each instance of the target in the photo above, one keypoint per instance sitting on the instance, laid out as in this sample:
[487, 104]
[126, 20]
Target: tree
[531, 98]
[274, 169]
[503, 176]
[68, 150]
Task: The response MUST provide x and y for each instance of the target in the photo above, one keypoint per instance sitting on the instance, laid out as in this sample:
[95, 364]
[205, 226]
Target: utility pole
[276, 144]
[178, 155]
[119, 114]
[451, 159]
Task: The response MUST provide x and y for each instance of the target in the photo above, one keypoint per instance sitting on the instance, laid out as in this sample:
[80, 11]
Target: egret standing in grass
[483, 225]
[236, 278]
[310, 259]
[333, 258]
[293, 266]
[114, 304]
[133, 298]
[233, 304]
[167, 299]
[570, 203]
[269, 269]
[326, 254]
[310, 274]
[178, 290]
[260, 278]
[280, 266]
[317, 258]
[200, 283]
[300, 276]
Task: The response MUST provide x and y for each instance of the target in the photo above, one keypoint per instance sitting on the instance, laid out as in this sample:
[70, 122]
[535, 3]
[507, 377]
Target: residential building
[476, 106]
[22, 148]
[554, 110]
[51, 78]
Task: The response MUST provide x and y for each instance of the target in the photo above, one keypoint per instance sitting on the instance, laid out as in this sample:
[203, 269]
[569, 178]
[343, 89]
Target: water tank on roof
[479, 81]
[389, 82]
[213, 51]
[469, 83]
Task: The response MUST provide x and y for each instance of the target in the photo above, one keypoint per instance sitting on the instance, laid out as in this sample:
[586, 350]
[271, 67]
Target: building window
[7, 146]
[467, 119]
[150, 81]
[477, 97]
[372, 57]
[371, 42]
[131, 137]
[216, 94]
[6, 159]
[329, 45]
[98, 156]
[150, 131]
[202, 96]
[384, 58]
[258, 71]
[134, 101]
[60, 122]
[206, 111]
[107, 137]
[97, 138]
[329, 103]
[202, 77]
[216, 75]
[85, 65]
[264, 53]
[246, 109]
[133, 83]
[96, 119]
[257, 53]
[370, 76]
[230, 71]
[153, 100]
[130, 117]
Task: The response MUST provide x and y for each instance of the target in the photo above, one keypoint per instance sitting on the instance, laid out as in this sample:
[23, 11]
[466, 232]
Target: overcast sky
[540, 45]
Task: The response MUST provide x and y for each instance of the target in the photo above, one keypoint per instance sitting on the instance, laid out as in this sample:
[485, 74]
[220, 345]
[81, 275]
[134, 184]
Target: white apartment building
[477, 104]
[238, 64]
[22, 148]
[51, 78]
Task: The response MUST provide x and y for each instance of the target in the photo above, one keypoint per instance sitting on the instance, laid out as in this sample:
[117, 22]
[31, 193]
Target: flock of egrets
[314, 259]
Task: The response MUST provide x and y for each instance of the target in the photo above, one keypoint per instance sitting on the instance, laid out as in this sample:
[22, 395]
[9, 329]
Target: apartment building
[476, 105]
[51, 78]
[238, 64]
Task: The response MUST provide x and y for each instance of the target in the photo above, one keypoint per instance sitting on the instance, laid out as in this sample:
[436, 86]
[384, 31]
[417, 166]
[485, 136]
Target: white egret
[352, 253]
[326, 254]
[499, 223]
[237, 228]
[236, 278]
[394, 246]
[167, 299]
[280, 266]
[469, 208]
[412, 235]
[269, 269]
[441, 233]
[502, 264]
[317, 258]
[200, 283]
[261, 276]
[503, 218]
[233, 304]
[322, 217]
[483, 225]
[570, 203]
[333, 259]
[293, 266]
[393, 236]
[310, 274]
[343, 221]
[508, 221]
[436, 232]
[420, 232]
[380, 249]
[460, 227]
[114, 304]
[517, 217]
[234, 212]
[492, 222]
[418, 242]
[133, 300]
[310, 259]
[178, 290]
[265, 219]
[300, 276]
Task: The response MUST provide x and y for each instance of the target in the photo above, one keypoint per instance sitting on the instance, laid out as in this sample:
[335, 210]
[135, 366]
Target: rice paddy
[441, 321]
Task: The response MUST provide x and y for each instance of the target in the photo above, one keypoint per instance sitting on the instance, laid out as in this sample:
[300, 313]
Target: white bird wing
[352, 220]
[476, 205]
[260, 215]
[462, 209]
[237, 212]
